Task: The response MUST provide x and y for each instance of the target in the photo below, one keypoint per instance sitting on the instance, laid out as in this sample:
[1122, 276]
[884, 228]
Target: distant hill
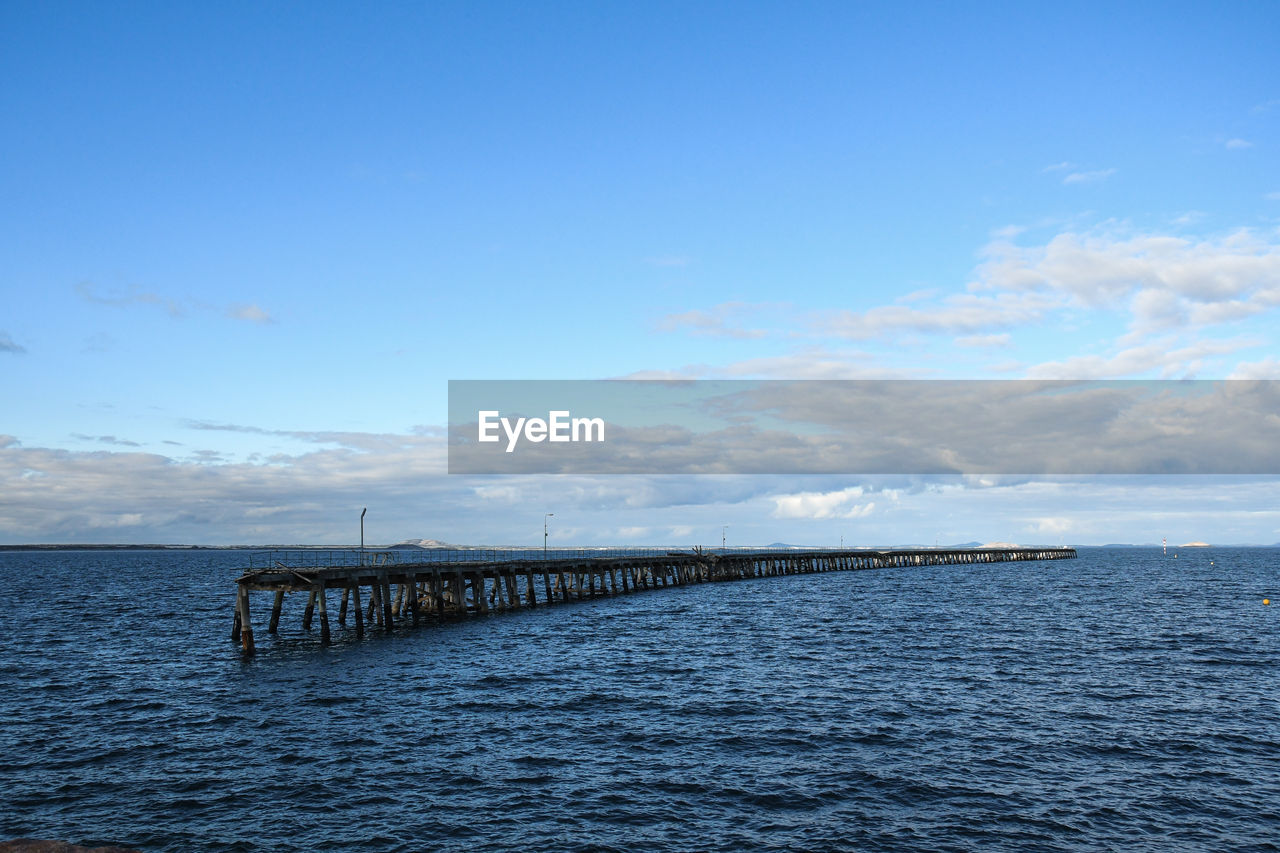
[422, 544]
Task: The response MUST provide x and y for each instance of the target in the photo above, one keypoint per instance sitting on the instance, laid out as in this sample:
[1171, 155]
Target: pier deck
[377, 588]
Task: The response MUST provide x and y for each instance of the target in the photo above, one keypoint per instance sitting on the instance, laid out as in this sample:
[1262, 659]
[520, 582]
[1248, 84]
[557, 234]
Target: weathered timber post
[318, 592]
[275, 612]
[459, 592]
[311, 609]
[374, 616]
[342, 608]
[495, 595]
[355, 600]
[384, 592]
[413, 596]
[246, 628]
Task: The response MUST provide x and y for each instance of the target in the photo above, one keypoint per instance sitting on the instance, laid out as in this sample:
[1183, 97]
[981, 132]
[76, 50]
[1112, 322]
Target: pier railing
[326, 558]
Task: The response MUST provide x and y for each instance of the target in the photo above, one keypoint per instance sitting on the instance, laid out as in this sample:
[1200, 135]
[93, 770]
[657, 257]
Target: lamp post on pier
[544, 533]
[362, 512]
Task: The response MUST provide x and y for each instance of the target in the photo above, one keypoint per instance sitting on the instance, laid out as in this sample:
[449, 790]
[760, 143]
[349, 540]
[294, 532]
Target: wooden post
[235, 621]
[355, 600]
[546, 577]
[496, 597]
[374, 616]
[275, 612]
[530, 599]
[413, 596]
[311, 607]
[385, 592]
[246, 628]
[342, 608]
[460, 592]
[318, 592]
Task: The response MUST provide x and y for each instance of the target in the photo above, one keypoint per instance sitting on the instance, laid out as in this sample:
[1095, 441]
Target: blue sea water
[1123, 700]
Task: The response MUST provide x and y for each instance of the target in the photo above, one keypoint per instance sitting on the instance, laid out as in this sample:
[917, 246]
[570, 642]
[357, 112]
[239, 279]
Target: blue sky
[245, 246]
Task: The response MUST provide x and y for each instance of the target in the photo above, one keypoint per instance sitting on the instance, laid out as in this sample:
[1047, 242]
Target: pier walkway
[380, 587]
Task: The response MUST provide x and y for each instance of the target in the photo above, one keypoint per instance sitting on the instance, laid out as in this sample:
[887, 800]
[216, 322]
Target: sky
[245, 246]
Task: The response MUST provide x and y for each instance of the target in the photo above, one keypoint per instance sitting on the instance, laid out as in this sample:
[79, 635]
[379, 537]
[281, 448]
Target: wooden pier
[376, 589]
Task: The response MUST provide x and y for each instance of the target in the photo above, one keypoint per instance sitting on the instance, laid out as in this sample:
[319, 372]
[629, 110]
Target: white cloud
[1158, 357]
[132, 297]
[814, 505]
[1267, 368]
[815, 363]
[984, 341]
[250, 312]
[720, 321]
[811, 363]
[1154, 282]
[1169, 281]
[958, 314]
[1055, 525]
[1236, 144]
[1088, 177]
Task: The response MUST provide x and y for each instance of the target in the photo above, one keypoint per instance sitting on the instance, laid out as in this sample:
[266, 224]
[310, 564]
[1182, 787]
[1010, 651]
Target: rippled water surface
[1122, 699]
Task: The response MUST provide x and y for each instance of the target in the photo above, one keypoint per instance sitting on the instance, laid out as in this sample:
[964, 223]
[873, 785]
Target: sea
[1124, 700]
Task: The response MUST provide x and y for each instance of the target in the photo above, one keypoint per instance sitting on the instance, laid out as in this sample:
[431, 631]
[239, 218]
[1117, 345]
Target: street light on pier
[544, 533]
[362, 512]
